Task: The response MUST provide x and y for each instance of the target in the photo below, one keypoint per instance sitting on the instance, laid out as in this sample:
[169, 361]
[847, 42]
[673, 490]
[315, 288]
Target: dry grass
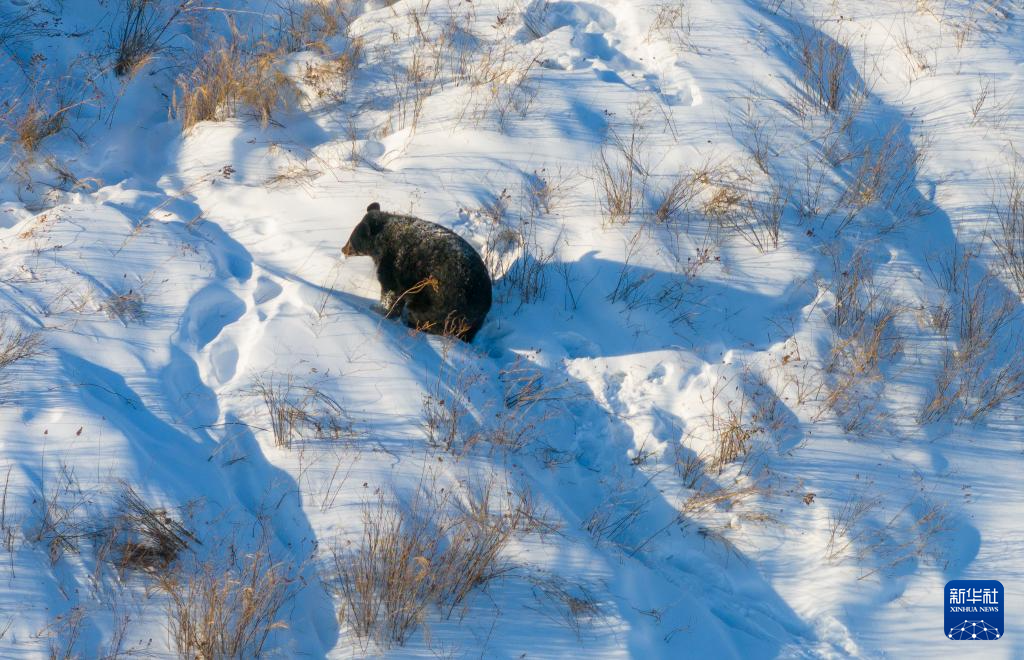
[673, 23]
[447, 411]
[799, 379]
[734, 438]
[759, 135]
[712, 499]
[620, 171]
[915, 533]
[728, 426]
[36, 123]
[675, 201]
[485, 521]
[16, 344]
[126, 306]
[412, 85]
[573, 605]
[631, 285]
[824, 67]
[730, 194]
[143, 31]
[505, 77]
[525, 386]
[515, 257]
[446, 51]
[706, 501]
[864, 321]
[142, 537]
[546, 190]
[7, 525]
[758, 220]
[238, 73]
[844, 524]
[1008, 237]
[330, 78]
[859, 528]
[59, 522]
[981, 370]
[47, 104]
[384, 583]
[299, 411]
[226, 608]
[498, 73]
[613, 520]
[43, 115]
[518, 421]
[307, 25]
[884, 173]
[434, 552]
[526, 279]
[64, 632]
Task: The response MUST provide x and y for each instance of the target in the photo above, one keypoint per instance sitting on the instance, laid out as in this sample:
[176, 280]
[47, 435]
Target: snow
[183, 266]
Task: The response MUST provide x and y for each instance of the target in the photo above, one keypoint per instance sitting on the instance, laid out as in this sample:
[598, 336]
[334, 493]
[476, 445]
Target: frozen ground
[733, 435]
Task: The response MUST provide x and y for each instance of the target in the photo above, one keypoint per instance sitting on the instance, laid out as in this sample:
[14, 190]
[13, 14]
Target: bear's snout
[347, 250]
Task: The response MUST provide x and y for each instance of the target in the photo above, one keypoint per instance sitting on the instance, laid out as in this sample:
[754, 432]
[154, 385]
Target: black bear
[429, 275]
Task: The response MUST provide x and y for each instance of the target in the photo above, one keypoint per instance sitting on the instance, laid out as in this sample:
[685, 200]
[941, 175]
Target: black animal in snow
[429, 275]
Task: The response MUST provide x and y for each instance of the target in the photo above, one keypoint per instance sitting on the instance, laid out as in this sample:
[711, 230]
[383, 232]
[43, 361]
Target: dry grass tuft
[572, 605]
[864, 320]
[446, 408]
[728, 427]
[384, 583]
[879, 541]
[329, 79]
[226, 611]
[884, 173]
[36, 124]
[844, 524]
[434, 552]
[142, 537]
[674, 201]
[65, 631]
[1008, 239]
[126, 307]
[46, 106]
[300, 411]
[620, 172]
[44, 115]
[60, 522]
[824, 68]
[981, 370]
[672, 22]
[16, 344]
[237, 74]
[307, 25]
[514, 254]
[706, 501]
[143, 32]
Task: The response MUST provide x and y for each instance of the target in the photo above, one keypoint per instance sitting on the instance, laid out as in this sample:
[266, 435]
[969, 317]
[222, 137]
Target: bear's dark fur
[428, 274]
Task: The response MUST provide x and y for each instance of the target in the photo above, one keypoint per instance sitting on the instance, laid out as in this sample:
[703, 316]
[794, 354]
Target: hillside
[751, 385]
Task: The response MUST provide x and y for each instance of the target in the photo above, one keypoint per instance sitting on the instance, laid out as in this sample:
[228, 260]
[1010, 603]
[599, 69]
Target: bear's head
[362, 242]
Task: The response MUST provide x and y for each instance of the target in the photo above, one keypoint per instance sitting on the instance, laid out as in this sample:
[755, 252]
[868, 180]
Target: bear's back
[420, 249]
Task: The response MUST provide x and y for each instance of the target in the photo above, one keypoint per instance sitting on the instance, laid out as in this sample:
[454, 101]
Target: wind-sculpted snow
[752, 355]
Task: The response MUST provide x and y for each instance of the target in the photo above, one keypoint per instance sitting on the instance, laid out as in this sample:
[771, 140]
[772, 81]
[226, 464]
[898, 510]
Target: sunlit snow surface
[181, 267]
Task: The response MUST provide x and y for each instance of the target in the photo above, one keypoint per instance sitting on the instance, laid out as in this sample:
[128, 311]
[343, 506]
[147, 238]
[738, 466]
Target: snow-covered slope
[752, 368]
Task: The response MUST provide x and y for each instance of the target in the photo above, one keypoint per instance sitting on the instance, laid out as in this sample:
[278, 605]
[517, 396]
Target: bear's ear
[373, 207]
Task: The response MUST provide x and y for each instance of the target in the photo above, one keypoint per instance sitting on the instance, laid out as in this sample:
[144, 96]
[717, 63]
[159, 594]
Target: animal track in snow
[208, 313]
[266, 290]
